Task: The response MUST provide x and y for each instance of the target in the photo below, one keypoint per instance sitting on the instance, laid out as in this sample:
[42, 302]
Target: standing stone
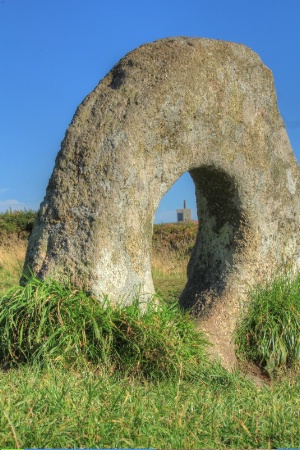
[176, 105]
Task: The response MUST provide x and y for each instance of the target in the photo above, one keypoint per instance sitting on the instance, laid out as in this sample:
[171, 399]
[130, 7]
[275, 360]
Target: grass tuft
[48, 321]
[269, 332]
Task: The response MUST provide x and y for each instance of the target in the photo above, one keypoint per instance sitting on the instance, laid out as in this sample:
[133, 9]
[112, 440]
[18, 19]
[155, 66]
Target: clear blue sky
[54, 52]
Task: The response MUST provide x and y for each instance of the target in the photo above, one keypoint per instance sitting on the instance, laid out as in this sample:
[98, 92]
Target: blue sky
[54, 52]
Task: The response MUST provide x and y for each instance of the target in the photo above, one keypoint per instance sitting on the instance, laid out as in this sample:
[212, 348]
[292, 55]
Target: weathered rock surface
[176, 105]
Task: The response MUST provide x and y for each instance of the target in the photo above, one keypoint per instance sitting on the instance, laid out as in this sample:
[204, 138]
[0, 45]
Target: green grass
[75, 374]
[47, 321]
[269, 332]
[55, 407]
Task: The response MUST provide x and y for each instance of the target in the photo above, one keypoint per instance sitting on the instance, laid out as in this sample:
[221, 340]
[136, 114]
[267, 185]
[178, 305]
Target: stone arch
[175, 105]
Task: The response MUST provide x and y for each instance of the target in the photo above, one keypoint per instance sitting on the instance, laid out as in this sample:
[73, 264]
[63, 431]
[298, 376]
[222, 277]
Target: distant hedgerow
[16, 222]
[175, 238]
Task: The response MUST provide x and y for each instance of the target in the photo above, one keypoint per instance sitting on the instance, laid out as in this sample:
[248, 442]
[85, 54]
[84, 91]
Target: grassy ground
[55, 407]
[168, 286]
[53, 401]
[187, 401]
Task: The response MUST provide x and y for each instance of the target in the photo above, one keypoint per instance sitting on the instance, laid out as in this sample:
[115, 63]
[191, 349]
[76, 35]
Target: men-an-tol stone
[176, 105]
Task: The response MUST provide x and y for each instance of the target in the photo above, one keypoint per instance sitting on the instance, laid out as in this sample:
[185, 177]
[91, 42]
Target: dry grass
[12, 256]
[167, 263]
[169, 274]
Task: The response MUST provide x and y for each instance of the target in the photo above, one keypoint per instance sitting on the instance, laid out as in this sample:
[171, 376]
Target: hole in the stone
[174, 236]
[192, 262]
[219, 239]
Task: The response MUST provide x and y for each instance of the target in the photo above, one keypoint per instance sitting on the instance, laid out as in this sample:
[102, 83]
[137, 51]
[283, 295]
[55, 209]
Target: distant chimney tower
[184, 215]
